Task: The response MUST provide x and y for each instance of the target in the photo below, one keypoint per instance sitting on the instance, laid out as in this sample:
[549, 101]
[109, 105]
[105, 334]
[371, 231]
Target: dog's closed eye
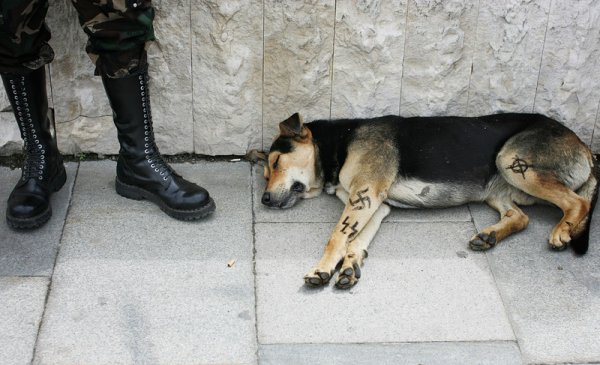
[276, 163]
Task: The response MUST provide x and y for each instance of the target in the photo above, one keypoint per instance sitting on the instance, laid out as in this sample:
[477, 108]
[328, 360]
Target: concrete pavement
[116, 281]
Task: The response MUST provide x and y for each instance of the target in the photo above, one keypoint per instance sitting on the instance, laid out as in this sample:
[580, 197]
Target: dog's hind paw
[316, 277]
[560, 237]
[348, 277]
[483, 241]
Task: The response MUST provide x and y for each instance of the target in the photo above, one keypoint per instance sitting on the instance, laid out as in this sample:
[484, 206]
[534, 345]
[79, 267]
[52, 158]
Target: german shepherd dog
[505, 160]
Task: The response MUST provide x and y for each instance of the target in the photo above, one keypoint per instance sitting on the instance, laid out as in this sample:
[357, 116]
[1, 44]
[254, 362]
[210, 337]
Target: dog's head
[291, 165]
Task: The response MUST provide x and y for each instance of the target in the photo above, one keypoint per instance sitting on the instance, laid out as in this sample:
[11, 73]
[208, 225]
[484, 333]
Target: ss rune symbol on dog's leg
[353, 227]
[360, 199]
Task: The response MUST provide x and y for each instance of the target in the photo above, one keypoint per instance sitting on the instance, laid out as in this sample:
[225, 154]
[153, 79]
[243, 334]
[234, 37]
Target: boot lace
[35, 161]
[153, 156]
[35, 158]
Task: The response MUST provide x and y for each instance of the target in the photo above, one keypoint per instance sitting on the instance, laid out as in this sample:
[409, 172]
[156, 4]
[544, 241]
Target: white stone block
[227, 61]
[367, 65]
[78, 96]
[596, 140]
[568, 85]
[171, 77]
[297, 61]
[438, 57]
[10, 138]
[507, 54]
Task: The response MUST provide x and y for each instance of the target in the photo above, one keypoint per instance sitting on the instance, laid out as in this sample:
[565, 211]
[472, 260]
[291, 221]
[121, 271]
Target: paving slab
[440, 353]
[553, 298]
[419, 284]
[132, 285]
[328, 208]
[22, 304]
[32, 253]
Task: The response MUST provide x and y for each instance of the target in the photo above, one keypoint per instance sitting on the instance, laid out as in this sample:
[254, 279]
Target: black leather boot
[43, 171]
[141, 171]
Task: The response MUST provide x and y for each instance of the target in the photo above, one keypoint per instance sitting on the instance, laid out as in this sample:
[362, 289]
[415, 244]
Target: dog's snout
[266, 198]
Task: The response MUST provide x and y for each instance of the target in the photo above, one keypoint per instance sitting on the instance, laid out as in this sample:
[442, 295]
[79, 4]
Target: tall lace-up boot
[43, 171]
[142, 173]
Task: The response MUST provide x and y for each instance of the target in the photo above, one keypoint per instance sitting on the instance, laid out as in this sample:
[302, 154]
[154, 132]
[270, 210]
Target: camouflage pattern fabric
[118, 32]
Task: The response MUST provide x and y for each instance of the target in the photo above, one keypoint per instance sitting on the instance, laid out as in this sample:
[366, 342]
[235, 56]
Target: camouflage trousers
[118, 32]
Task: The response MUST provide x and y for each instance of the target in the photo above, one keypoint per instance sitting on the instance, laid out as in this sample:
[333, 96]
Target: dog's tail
[589, 191]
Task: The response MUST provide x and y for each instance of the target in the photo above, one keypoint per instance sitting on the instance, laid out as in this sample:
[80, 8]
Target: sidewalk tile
[440, 353]
[328, 208]
[132, 285]
[32, 253]
[553, 298]
[22, 304]
[420, 284]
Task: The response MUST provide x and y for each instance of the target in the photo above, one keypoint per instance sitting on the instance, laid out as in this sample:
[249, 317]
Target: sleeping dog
[505, 160]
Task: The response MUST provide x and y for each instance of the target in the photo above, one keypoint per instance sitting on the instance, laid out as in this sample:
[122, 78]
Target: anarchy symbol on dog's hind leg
[519, 166]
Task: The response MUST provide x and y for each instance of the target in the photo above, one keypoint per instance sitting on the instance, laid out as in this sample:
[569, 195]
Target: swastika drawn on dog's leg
[519, 166]
[352, 227]
[364, 201]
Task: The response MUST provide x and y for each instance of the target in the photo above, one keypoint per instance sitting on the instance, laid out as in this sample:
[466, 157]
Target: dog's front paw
[483, 241]
[350, 271]
[348, 277]
[317, 277]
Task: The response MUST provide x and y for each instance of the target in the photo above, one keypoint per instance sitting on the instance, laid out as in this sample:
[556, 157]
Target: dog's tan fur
[369, 181]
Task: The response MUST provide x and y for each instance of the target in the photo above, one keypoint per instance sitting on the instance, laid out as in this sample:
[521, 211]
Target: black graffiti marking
[352, 227]
[361, 200]
[519, 166]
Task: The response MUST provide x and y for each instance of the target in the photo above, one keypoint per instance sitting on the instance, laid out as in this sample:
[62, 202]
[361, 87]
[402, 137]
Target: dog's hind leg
[551, 170]
[512, 220]
[357, 250]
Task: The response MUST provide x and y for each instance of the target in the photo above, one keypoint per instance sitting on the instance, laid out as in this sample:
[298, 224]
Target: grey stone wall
[225, 73]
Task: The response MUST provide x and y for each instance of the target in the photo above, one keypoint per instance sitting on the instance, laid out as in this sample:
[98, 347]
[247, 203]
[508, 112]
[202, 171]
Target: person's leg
[118, 33]
[24, 52]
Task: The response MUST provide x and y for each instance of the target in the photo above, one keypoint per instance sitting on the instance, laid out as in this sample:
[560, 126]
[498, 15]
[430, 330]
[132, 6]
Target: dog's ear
[256, 156]
[293, 127]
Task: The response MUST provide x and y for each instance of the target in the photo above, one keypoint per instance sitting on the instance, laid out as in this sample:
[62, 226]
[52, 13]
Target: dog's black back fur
[464, 148]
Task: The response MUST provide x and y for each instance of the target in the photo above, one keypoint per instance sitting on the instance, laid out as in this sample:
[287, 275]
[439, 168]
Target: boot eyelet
[165, 178]
[153, 165]
[146, 139]
[146, 145]
[162, 173]
[40, 178]
[149, 161]
[146, 151]
[146, 133]
[155, 170]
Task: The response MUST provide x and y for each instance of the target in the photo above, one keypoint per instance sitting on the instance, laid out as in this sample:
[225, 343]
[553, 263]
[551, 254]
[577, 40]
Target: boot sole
[137, 193]
[36, 221]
